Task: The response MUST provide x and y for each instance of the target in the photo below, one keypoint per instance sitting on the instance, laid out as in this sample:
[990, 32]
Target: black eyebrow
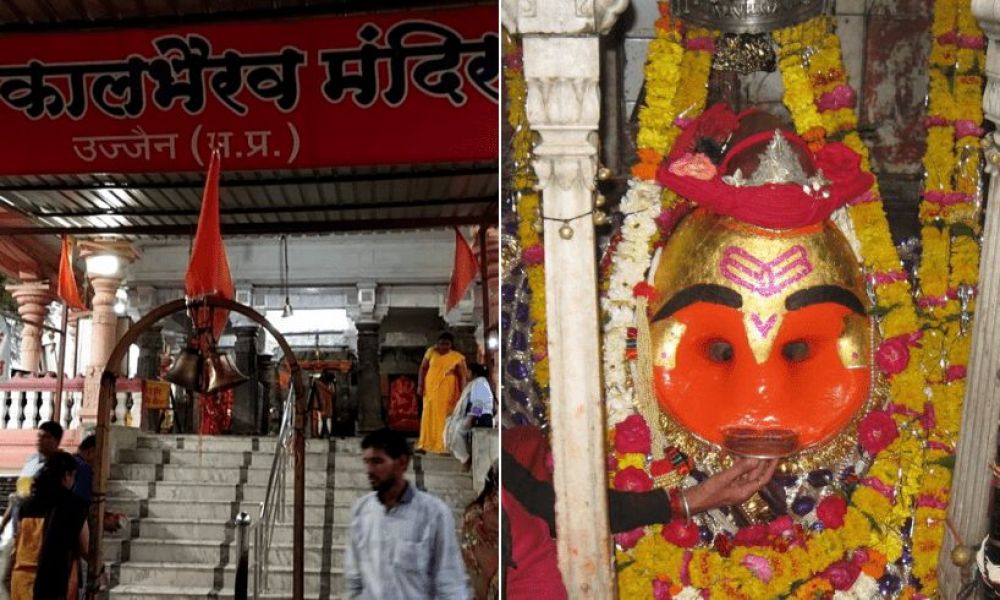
[702, 292]
[824, 293]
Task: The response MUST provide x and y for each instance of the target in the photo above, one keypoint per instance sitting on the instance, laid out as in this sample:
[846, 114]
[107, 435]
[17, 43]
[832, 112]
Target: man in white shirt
[402, 541]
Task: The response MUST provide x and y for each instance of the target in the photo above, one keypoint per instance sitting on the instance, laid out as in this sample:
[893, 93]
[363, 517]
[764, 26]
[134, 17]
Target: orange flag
[208, 269]
[464, 271]
[66, 289]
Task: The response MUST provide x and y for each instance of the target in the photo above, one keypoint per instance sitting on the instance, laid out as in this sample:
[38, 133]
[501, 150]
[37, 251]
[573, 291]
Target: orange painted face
[759, 338]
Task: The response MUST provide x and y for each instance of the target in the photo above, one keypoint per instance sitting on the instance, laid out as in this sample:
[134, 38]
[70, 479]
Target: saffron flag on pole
[67, 290]
[208, 269]
[463, 273]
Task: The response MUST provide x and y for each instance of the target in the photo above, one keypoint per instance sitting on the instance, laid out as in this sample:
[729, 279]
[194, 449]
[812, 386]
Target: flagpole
[483, 275]
[61, 375]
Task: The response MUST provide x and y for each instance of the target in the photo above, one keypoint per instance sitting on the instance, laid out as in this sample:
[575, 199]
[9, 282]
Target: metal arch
[104, 406]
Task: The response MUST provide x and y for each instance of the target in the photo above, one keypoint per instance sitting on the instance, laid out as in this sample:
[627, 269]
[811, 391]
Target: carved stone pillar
[72, 343]
[269, 406]
[971, 487]
[370, 409]
[246, 408]
[148, 367]
[33, 298]
[561, 69]
[106, 260]
[150, 348]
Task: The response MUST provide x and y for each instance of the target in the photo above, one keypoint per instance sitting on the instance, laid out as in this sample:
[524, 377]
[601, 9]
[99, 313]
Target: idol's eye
[719, 351]
[795, 351]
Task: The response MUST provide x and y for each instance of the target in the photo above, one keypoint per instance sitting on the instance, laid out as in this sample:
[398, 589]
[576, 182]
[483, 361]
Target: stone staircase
[181, 494]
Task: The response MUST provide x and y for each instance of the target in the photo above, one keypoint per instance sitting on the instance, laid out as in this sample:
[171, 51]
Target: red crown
[785, 185]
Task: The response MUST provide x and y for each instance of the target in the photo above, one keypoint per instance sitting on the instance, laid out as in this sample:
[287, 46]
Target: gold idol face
[760, 339]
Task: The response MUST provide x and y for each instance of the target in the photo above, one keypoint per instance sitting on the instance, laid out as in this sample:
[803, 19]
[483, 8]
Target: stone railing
[27, 401]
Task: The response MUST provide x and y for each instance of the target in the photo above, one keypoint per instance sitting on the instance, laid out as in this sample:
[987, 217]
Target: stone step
[240, 443]
[158, 575]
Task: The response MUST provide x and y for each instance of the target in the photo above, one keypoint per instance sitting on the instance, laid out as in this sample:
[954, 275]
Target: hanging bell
[186, 369]
[220, 372]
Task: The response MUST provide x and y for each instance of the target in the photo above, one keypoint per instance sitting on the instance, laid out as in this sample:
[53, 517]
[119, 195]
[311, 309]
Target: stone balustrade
[27, 401]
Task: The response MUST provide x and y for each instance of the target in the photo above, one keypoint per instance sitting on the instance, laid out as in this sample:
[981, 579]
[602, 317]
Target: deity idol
[758, 339]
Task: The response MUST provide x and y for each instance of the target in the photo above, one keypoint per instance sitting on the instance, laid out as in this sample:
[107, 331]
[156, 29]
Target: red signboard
[388, 88]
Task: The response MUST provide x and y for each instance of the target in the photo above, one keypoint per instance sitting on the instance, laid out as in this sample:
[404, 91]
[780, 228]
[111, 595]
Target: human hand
[731, 486]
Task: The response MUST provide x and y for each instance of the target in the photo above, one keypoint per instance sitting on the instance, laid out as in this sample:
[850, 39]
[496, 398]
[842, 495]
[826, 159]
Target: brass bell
[186, 369]
[220, 372]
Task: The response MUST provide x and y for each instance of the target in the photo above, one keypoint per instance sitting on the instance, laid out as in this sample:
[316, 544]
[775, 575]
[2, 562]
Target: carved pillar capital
[33, 298]
[561, 16]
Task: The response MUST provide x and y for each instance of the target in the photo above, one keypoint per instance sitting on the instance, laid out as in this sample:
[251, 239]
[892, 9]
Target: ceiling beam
[272, 210]
[263, 228]
[427, 173]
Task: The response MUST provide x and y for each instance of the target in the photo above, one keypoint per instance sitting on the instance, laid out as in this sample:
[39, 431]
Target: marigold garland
[896, 512]
[528, 209]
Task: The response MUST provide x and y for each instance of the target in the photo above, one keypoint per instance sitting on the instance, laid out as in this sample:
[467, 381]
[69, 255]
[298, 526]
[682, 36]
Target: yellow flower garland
[528, 211]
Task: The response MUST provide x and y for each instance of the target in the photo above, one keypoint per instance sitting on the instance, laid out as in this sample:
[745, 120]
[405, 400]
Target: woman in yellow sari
[442, 377]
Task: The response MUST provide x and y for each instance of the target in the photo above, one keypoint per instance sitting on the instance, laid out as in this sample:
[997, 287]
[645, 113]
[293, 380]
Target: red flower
[842, 575]
[754, 535]
[893, 355]
[831, 511]
[632, 435]
[644, 290]
[723, 545]
[780, 526]
[628, 539]
[838, 162]
[876, 431]
[633, 480]
[717, 122]
[681, 533]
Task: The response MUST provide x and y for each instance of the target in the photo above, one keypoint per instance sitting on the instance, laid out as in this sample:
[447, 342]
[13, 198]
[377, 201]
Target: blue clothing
[408, 552]
[83, 487]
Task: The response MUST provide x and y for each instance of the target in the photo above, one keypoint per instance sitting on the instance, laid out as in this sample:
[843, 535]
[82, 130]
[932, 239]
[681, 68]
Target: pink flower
[697, 166]
[954, 372]
[632, 479]
[876, 431]
[533, 255]
[628, 539]
[754, 535]
[841, 97]
[965, 128]
[928, 420]
[975, 42]
[700, 43]
[681, 533]
[780, 526]
[759, 566]
[935, 121]
[948, 38]
[632, 435]
[893, 355]
[831, 511]
[661, 590]
[842, 575]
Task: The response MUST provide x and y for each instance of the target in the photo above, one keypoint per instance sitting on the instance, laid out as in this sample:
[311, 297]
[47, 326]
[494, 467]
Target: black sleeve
[628, 510]
[537, 497]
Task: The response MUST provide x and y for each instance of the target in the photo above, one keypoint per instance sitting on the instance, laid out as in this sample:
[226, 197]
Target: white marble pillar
[105, 261]
[562, 71]
[33, 298]
[971, 489]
